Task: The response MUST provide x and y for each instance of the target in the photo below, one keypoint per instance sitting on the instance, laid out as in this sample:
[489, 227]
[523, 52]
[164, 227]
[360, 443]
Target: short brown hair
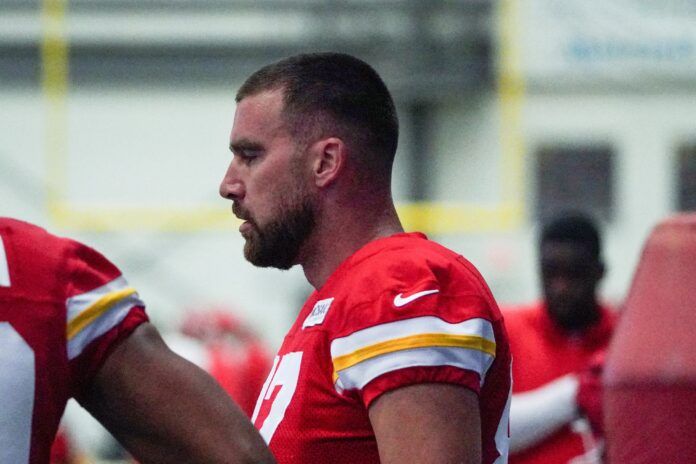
[333, 94]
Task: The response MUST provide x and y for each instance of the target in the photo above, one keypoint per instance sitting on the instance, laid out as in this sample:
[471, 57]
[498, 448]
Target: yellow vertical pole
[54, 84]
[511, 93]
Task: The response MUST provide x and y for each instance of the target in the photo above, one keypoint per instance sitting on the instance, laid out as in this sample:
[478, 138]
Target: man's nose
[232, 186]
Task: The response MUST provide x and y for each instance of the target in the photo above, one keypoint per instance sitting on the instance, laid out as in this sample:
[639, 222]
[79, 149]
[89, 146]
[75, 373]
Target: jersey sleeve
[101, 310]
[424, 326]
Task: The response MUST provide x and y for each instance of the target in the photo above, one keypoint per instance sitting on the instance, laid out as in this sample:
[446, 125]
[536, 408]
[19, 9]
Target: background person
[234, 354]
[71, 326]
[553, 342]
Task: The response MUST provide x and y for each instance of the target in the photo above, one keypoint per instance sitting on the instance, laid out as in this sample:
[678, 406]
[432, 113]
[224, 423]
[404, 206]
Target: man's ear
[329, 160]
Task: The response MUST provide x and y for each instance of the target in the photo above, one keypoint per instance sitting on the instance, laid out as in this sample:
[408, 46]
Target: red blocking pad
[650, 376]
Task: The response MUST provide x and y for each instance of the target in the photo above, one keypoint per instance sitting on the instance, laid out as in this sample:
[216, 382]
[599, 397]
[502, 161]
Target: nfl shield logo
[318, 313]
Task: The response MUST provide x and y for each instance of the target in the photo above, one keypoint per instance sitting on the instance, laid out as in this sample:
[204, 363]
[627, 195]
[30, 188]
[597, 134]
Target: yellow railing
[429, 217]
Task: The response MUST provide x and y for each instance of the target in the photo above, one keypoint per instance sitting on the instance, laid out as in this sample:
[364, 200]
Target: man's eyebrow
[244, 144]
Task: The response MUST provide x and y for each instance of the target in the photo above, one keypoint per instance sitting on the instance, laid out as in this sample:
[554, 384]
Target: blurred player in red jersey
[234, 354]
[71, 326]
[400, 355]
[554, 344]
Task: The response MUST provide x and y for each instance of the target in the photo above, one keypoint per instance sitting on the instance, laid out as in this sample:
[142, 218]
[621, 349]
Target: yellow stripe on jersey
[470, 342]
[95, 310]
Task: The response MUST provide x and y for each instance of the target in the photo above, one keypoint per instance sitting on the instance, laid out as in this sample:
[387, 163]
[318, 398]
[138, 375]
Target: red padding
[650, 377]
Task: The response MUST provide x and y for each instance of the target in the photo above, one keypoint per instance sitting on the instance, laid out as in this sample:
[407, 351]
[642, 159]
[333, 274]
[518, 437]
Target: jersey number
[17, 393]
[284, 374]
[4, 271]
[16, 385]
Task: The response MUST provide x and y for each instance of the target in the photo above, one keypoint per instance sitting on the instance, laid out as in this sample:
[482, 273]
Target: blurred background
[115, 115]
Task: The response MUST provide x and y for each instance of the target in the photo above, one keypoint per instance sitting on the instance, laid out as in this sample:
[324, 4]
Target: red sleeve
[416, 375]
[101, 310]
[85, 366]
[426, 325]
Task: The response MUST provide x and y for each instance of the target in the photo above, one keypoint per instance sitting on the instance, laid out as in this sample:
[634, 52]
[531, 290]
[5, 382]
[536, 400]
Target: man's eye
[248, 155]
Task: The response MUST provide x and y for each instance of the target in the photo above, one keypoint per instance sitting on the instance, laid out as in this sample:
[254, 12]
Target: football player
[400, 355]
[232, 353]
[556, 343]
[72, 326]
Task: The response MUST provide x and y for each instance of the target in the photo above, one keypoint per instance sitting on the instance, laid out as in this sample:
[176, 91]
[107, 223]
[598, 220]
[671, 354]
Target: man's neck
[340, 233]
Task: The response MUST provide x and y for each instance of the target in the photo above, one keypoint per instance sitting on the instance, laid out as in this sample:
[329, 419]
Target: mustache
[240, 212]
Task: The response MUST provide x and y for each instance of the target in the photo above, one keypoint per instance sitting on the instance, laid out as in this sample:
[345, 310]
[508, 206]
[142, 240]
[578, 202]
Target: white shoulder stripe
[78, 303]
[407, 328]
[359, 375]
[94, 313]
[4, 268]
[100, 326]
[421, 341]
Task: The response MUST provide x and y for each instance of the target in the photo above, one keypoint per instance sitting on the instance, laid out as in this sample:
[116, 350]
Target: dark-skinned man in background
[553, 344]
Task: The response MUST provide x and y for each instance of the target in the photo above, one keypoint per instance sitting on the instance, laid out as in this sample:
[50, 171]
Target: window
[575, 177]
[686, 180]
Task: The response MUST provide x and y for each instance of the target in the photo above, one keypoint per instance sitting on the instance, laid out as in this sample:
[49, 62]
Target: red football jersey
[544, 353]
[402, 310]
[62, 307]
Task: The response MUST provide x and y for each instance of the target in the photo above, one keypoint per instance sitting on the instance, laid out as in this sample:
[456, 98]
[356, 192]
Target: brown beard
[277, 244]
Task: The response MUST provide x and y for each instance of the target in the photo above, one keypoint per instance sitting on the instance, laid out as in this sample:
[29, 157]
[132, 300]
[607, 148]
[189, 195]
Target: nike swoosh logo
[400, 300]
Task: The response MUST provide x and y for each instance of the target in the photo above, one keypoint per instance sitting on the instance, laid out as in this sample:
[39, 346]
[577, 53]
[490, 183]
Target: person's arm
[427, 424]
[539, 413]
[164, 409]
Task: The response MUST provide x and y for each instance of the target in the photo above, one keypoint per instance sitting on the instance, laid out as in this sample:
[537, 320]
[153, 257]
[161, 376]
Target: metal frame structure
[427, 51]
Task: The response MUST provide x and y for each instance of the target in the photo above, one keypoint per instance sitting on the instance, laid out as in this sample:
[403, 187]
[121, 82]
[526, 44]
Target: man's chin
[265, 259]
[260, 262]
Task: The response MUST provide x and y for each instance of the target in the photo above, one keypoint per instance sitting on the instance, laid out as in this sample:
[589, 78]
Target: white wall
[645, 131]
[168, 148]
[156, 148]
